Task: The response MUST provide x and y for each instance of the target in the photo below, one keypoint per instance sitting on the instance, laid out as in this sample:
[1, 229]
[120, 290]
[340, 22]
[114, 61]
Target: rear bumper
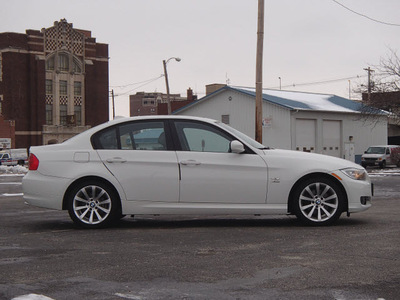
[44, 191]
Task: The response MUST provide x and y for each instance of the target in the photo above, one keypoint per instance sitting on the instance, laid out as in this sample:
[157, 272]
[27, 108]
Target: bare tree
[382, 92]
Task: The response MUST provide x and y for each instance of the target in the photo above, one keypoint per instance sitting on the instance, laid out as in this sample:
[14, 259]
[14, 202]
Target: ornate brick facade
[53, 83]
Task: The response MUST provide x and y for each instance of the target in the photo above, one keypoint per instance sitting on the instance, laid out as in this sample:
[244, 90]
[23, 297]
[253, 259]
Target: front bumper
[359, 193]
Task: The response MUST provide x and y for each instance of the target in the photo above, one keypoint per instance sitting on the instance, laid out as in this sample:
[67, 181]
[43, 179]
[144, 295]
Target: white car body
[188, 182]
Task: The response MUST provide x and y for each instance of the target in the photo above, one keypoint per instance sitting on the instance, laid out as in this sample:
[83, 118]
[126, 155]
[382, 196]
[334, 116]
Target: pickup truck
[13, 157]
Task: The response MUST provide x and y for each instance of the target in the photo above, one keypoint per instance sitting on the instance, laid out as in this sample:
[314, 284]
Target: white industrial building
[310, 122]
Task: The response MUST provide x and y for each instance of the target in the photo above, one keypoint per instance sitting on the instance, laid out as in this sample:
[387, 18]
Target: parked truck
[12, 157]
[381, 156]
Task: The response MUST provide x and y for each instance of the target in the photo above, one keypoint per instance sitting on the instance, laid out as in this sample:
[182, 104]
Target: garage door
[305, 135]
[331, 138]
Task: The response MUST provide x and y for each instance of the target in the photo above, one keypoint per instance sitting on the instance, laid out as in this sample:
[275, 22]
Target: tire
[93, 204]
[318, 201]
[383, 164]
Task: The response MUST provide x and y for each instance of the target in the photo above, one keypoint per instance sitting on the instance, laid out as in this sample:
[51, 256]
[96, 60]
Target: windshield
[242, 136]
[376, 150]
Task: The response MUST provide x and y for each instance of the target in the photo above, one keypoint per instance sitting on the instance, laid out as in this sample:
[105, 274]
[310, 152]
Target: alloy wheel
[318, 202]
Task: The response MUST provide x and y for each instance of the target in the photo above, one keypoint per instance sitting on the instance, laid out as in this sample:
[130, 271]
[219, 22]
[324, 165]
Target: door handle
[190, 162]
[115, 160]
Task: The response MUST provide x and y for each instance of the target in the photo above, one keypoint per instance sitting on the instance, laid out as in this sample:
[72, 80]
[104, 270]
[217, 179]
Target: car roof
[82, 140]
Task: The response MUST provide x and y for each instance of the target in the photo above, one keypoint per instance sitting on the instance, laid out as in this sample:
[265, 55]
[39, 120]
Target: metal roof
[295, 100]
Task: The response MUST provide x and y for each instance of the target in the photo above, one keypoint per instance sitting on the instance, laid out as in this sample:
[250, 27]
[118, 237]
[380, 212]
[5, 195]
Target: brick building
[389, 101]
[53, 83]
[143, 103]
[7, 134]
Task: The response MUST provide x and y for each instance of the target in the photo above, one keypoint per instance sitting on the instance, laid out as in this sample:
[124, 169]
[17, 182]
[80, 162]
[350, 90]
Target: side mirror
[237, 147]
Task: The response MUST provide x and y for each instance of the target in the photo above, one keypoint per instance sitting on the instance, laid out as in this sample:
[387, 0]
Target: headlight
[356, 174]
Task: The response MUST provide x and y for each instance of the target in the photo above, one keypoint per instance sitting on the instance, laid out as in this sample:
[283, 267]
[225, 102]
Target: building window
[63, 114]
[77, 88]
[50, 64]
[49, 87]
[49, 114]
[225, 119]
[64, 84]
[78, 115]
[63, 62]
[76, 68]
[63, 87]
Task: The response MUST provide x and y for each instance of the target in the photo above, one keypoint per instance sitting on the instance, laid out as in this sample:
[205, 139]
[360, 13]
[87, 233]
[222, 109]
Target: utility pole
[166, 81]
[113, 105]
[369, 70]
[167, 85]
[259, 73]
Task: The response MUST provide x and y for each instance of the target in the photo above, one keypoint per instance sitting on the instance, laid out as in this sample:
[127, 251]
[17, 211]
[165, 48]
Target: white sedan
[188, 165]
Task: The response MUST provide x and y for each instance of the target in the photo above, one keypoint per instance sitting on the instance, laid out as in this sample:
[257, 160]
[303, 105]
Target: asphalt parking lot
[228, 257]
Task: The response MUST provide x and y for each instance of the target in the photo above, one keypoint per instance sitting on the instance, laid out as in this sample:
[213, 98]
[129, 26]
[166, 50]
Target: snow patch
[13, 170]
[32, 297]
[384, 172]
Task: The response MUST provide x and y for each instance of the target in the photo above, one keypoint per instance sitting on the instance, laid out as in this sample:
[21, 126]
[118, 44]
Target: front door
[210, 173]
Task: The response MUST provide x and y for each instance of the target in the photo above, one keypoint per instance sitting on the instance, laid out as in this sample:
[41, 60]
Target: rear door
[139, 154]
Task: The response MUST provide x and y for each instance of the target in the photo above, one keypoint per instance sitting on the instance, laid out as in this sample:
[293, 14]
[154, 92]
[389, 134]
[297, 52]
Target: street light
[166, 80]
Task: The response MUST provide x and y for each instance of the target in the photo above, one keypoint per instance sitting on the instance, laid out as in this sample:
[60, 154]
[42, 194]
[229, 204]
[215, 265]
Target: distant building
[7, 134]
[53, 83]
[143, 103]
[309, 122]
[388, 100]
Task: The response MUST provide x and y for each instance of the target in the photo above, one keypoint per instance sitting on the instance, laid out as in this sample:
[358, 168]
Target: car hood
[372, 155]
[312, 160]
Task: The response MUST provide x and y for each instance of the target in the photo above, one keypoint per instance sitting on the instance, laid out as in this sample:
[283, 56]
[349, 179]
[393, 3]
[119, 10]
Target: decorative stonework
[63, 100]
[78, 100]
[63, 37]
[49, 99]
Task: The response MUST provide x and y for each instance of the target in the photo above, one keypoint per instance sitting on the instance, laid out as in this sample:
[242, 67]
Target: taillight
[33, 162]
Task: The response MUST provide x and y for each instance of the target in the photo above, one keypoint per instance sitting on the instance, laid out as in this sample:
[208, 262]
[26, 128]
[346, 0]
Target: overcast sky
[305, 41]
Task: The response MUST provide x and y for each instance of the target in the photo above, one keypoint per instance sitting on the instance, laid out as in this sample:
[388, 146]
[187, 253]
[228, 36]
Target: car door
[139, 154]
[210, 173]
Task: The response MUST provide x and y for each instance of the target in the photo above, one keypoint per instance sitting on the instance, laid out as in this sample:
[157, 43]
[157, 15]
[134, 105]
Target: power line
[144, 83]
[136, 83]
[365, 16]
[320, 82]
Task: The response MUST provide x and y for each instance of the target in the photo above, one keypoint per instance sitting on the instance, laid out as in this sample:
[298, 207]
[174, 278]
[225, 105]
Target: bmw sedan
[188, 165]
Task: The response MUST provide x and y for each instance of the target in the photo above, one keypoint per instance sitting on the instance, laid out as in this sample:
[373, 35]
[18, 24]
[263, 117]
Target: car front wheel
[318, 201]
[92, 204]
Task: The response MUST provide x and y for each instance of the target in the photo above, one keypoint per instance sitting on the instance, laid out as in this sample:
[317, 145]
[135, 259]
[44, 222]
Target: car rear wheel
[318, 201]
[93, 204]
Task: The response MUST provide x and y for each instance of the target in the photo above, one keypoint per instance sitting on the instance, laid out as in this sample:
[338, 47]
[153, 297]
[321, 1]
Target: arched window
[76, 67]
[63, 62]
[65, 97]
[50, 63]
